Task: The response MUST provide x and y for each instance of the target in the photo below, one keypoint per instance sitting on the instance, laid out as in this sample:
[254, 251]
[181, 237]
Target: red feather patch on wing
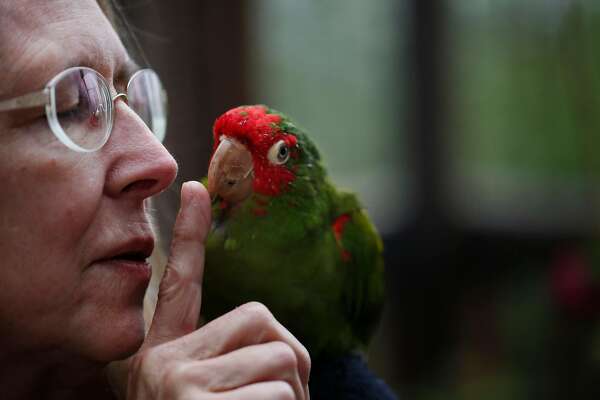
[258, 131]
[338, 230]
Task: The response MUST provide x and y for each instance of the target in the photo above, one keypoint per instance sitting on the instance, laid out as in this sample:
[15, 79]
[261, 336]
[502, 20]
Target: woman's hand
[245, 354]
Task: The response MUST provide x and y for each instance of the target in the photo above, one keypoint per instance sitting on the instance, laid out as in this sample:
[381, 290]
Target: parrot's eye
[279, 153]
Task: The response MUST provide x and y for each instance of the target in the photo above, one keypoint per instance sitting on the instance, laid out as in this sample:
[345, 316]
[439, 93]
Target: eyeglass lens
[82, 103]
[147, 98]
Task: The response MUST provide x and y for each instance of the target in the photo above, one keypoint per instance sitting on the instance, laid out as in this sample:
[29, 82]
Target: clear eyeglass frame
[143, 89]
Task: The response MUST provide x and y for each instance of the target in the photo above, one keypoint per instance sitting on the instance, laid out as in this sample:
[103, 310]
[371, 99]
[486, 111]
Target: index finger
[180, 290]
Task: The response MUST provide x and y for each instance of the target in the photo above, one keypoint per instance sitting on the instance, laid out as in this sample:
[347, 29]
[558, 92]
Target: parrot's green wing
[360, 258]
[325, 285]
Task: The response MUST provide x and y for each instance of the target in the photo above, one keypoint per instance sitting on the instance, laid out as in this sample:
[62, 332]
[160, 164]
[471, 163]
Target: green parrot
[285, 236]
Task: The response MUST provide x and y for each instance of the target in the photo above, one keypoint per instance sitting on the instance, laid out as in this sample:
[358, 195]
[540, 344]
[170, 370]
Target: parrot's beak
[230, 172]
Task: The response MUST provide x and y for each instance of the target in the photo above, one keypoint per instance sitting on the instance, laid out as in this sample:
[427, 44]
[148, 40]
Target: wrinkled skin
[63, 313]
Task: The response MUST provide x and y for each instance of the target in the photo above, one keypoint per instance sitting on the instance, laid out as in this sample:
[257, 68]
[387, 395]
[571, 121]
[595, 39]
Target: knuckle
[174, 280]
[169, 281]
[145, 360]
[255, 307]
[282, 390]
[257, 312]
[304, 361]
[284, 355]
[186, 233]
[174, 375]
[181, 376]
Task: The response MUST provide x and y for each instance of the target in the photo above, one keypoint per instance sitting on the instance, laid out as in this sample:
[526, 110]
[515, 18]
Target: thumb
[180, 290]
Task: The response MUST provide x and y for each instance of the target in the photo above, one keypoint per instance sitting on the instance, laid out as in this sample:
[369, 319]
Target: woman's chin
[111, 337]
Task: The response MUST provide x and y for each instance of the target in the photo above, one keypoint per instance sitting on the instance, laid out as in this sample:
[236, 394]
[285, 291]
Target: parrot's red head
[252, 150]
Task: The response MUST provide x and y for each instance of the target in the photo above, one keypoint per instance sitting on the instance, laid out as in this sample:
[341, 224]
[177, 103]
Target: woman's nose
[139, 165]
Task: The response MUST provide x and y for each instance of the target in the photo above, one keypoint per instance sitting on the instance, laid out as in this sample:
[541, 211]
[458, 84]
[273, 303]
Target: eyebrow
[114, 59]
[123, 70]
[113, 62]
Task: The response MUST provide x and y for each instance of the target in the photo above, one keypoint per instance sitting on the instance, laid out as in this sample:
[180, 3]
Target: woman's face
[68, 218]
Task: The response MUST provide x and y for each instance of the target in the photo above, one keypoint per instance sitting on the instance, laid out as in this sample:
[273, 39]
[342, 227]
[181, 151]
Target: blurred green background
[469, 129]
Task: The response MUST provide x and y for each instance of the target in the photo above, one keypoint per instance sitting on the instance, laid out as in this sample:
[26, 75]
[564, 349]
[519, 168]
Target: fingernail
[187, 193]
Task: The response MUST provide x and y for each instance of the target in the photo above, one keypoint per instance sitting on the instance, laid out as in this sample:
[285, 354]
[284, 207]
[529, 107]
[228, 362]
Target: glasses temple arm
[30, 100]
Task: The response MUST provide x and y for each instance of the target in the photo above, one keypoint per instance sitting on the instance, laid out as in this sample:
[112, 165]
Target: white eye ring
[279, 153]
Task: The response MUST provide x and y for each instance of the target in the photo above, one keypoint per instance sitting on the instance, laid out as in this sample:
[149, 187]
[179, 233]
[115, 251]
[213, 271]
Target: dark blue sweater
[347, 377]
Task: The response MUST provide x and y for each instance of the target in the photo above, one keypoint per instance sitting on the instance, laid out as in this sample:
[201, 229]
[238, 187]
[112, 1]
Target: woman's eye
[67, 114]
[73, 110]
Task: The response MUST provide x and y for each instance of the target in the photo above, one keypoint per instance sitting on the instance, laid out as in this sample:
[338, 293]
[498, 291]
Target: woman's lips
[121, 281]
[130, 268]
[128, 258]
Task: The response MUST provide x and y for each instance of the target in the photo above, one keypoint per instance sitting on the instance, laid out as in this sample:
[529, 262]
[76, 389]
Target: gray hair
[115, 14]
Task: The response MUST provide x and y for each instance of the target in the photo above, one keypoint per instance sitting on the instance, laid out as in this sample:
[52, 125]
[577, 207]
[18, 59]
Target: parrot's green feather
[283, 251]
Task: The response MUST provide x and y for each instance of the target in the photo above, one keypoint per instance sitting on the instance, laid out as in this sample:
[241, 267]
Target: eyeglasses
[80, 109]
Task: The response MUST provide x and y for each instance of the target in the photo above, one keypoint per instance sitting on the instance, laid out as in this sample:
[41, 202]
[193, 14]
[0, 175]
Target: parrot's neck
[278, 220]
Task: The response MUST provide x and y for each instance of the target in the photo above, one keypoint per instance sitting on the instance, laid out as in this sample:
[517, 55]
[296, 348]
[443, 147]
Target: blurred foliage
[521, 97]
[532, 334]
[335, 68]
[523, 86]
